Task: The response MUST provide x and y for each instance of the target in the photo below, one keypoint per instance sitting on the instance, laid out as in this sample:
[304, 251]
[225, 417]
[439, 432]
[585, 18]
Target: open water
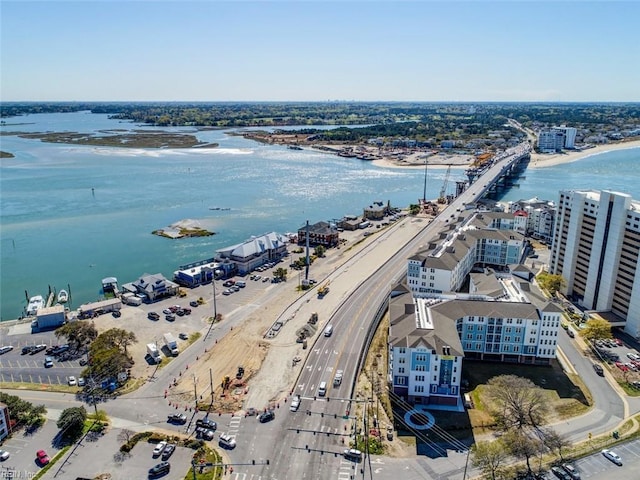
[72, 215]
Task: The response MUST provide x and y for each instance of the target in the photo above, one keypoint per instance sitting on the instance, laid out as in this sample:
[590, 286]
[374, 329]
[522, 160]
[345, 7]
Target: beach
[541, 160]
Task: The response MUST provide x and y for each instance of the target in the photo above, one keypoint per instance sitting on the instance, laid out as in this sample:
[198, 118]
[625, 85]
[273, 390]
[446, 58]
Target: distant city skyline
[555, 51]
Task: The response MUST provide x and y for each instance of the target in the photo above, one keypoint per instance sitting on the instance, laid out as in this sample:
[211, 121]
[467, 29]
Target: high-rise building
[555, 139]
[596, 245]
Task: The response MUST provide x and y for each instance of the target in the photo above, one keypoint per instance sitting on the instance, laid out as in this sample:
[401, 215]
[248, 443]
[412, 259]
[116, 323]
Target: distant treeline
[427, 119]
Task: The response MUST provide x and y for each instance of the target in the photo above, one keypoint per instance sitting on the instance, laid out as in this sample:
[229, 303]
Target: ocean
[72, 215]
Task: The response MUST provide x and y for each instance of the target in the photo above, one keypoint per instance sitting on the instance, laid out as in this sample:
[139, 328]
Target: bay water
[72, 215]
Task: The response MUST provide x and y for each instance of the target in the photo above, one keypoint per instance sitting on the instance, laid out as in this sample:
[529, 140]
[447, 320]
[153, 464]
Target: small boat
[35, 303]
[63, 296]
[294, 147]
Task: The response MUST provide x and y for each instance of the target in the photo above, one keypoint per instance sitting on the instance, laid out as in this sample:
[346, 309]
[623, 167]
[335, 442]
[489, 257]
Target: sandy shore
[541, 160]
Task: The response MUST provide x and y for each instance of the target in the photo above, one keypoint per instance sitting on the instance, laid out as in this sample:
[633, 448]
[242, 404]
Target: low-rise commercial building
[250, 254]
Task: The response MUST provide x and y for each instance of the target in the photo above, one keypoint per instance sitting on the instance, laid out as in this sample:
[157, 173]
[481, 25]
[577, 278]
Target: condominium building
[540, 217]
[504, 318]
[596, 245]
[554, 139]
[5, 424]
[475, 239]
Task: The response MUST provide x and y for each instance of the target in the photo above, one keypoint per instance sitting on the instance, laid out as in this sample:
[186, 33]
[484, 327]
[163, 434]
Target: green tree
[414, 209]
[25, 413]
[596, 329]
[489, 457]
[280, 273]
[115, 338]
[519, 403]
[550, 282]
[78, 334]
[71, 422]
[319, 251]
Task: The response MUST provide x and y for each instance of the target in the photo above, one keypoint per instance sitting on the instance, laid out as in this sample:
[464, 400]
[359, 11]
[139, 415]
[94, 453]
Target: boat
[294, 147]
[35, 303]
[63, 296]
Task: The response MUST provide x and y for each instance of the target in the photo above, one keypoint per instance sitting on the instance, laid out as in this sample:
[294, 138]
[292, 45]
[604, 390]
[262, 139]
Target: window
[419, 388]
[419, 378]
[401, 370]
[401, 380]
[402, 350]
[402, 360]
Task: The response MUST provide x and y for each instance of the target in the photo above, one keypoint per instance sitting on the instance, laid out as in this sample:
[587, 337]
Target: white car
[611, 455]
[4, 455]
[81, 381]
[159, 448]
[295, 403]
[72, 381]
[227, 441]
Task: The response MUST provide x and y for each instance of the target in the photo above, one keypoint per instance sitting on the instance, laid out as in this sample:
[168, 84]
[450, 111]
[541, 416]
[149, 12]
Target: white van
[328, 331]
[241, 283]
[322, 389]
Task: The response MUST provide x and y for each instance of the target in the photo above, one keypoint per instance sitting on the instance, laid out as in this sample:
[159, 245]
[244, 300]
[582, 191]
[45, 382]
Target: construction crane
[443, 191]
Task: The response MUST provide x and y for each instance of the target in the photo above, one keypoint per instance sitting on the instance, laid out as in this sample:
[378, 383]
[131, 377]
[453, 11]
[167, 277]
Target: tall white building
[595, 248]
[555, 139]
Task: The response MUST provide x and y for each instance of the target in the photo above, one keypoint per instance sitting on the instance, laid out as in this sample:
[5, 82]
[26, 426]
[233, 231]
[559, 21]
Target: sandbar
[541, 160]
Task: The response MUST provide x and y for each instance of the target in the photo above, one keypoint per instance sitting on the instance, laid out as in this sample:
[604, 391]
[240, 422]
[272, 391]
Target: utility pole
[211, 387]
[306, 267]
[195, 392]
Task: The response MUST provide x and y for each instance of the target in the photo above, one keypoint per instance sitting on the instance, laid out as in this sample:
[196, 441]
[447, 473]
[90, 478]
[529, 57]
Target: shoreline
[542, 160]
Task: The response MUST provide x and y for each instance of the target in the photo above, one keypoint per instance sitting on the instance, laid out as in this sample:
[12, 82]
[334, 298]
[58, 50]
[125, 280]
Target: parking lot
[597, 467]
[623, 360]
[18, 367]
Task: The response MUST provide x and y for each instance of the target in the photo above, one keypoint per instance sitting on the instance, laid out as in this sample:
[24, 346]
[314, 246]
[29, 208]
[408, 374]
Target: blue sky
[319, 50]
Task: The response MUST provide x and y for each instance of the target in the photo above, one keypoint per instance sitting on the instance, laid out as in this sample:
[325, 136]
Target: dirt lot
[269, 370]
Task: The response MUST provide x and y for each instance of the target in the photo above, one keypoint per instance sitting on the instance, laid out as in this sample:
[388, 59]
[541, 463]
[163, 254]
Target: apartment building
[5, 424]
[540, 217]
[596, 245]
[504, 318]
[554, 139]
[475, 239]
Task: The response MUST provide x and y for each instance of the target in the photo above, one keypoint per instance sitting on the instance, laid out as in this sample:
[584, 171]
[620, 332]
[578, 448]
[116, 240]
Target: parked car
[205, 433]
[116, 314]
[560, 473]
[48, 362]
[72, 381]
[168, 451]
[27, 349]
[159, 469]
[42, 457]
[38, 349]
[153, 316]
[159, 448]
[81, 382]
[228, 283]
[170, 317]
[227, 292]
[4, 455]
[267, 416]
[633, 356]
[183, 336]
[572, 471]
[5, 348]
[295, 403]
[193, 304]
[179, 418]
[611, 455]
[227, 441]
[622, 366]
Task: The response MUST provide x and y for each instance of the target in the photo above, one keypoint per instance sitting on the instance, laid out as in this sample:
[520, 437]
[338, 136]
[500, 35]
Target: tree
[280, 273]
[554, 441]
[489, 457]
[414, 209]
[550, 282]
[115, 338]
[71, 422]
[596, 329]
[78, 334]
[25, 413]
[519, 402]
[125, 435]
[319, 251]
[523, 444]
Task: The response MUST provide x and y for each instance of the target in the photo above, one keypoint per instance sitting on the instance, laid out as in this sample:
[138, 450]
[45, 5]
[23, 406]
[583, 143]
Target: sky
[353, 50]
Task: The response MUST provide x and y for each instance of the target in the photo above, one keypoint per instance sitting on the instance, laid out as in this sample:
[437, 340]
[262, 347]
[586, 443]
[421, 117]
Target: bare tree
[489, 457]
[519, 402]
[554, 441]
[125, 435]
[523, 444]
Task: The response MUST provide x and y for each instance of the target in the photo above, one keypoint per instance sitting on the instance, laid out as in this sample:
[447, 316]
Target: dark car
[60, 349]
[28, 349]
[560, 473]
[179, 418]
[116, 314]
[153, 316]
[599, 370]
[206, 423]
[266, 416]
[204, 433]
[168, 451]
[193, 303]
[160, 469]
[37, 349]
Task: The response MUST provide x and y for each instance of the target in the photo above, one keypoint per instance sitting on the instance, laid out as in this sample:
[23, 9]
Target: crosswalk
[346, 470]
[234, 426]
